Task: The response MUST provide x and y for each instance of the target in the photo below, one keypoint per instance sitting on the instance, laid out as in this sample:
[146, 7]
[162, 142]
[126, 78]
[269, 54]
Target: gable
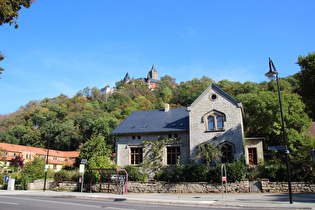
[218, 90]
[153, 121]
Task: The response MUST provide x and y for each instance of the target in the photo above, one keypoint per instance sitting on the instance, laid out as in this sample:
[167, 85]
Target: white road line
[68, 203]
[15, 204]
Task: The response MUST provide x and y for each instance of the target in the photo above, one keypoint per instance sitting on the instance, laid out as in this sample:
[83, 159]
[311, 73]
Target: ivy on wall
[154, 153]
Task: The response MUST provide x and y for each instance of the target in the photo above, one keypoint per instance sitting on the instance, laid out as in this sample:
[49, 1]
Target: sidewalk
[245, 200]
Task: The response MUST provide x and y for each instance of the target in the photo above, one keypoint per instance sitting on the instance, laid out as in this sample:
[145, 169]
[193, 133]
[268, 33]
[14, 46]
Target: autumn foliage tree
[9, 11]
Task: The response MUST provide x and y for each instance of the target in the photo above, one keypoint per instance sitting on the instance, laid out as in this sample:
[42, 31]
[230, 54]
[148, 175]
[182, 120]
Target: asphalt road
[23, 202]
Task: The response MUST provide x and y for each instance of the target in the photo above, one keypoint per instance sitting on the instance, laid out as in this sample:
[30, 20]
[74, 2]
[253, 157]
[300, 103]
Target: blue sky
[65, 46]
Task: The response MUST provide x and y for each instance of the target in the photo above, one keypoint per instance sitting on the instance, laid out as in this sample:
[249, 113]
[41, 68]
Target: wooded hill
[90, 114]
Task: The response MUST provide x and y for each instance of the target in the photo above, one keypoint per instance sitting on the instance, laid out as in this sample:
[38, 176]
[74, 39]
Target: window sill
[135, 165]
[209, 131]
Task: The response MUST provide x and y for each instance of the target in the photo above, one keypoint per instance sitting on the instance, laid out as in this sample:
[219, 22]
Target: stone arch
[228, 151]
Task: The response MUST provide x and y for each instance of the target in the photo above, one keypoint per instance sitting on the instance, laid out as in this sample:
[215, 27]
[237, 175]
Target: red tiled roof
[39, 151]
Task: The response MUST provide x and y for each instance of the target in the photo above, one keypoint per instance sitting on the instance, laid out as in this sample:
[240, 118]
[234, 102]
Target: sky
[61, 47]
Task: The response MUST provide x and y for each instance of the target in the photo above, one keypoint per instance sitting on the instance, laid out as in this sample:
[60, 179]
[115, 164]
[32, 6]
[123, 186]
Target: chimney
[167, 107]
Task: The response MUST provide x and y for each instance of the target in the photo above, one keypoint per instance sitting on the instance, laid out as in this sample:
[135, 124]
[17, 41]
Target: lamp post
[273, 74]
[48, 145]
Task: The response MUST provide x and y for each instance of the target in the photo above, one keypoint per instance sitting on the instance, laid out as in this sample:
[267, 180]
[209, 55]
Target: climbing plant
[154, 153]
[208, 152]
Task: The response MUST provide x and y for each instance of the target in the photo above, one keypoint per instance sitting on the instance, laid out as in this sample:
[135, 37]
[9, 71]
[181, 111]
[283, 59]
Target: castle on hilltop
[151, 81]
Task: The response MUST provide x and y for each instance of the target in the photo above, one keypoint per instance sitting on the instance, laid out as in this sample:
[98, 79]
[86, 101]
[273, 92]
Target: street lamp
[273, 75]
[48, 145]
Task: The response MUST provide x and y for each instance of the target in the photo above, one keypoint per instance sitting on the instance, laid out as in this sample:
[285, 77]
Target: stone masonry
[185, 187]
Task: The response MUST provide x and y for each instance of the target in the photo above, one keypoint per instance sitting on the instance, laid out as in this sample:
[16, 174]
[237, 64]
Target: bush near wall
[134, 174]
[201, 173]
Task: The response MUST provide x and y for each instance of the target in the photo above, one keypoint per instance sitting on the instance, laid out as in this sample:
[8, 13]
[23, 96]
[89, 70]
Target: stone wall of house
[125, 142]
[210, 103]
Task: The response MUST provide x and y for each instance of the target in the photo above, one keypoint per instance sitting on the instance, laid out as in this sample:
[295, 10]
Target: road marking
[68, 203]
[15, 204]
[48, 201]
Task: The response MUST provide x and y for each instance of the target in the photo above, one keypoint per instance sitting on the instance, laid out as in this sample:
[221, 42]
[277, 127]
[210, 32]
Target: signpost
[312, 154]
[223, 175]
[81, 170]
[276, 148]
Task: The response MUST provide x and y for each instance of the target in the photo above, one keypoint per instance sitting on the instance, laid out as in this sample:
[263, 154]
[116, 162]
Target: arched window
[227, 153]
[214, 121]
[210, 123]
[219, 122]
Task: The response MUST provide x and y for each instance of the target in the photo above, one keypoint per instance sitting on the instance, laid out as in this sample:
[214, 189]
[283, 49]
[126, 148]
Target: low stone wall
[186, 187]
[67, 186]
[297, 187]
[183, 187]
[39, 184]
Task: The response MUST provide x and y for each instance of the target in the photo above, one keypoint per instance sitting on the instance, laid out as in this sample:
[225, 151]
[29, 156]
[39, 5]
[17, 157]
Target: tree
[3, 157]
[166, 87]
[1, 59]
[34, 169]
[10, 10]
[104, 125]
[306, 81]
[86, 92]
[97, 154]
[17, 162]
[262, 118]
[188, 92]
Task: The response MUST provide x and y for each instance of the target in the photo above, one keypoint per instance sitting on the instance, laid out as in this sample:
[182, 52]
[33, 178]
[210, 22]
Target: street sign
[223, 178]
[83, 161]
[6, 178]
[46, 168]
[276, 148]
[81, 169]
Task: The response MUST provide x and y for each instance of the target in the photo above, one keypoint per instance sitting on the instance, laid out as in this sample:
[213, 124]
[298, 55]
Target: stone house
[214, 117]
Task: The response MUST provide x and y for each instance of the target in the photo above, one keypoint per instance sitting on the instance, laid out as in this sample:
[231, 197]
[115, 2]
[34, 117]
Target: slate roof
[154, 121]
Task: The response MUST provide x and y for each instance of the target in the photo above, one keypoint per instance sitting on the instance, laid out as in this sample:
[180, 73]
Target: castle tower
[153, 74]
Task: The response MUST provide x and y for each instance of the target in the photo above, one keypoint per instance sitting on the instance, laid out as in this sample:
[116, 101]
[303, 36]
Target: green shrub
[235, 171]
[66, 175]
[195, 173]
[275, 171]
[134, 174]
[169, 174]
[34, 169]
[24, 180]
